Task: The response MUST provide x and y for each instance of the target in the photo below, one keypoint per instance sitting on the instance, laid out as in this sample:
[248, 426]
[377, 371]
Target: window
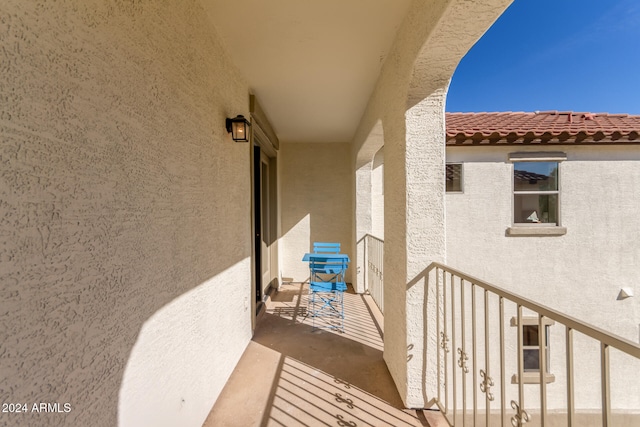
[535, 193]
[531, 350]
[454, 177]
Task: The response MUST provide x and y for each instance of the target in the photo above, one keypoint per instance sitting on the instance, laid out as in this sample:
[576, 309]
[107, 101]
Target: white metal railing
[374, 262]
[478, 349]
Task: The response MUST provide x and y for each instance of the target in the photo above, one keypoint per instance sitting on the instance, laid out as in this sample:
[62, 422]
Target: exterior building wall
[579, 273]
[407, 108]
[316, 199]
[124, 213]
[363, 222]
[377, 195]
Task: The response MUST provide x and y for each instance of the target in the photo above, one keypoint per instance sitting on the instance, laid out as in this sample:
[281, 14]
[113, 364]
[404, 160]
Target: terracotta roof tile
[546, 127]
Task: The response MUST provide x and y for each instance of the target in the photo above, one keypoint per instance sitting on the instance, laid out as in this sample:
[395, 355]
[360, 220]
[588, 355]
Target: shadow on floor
[293, 374]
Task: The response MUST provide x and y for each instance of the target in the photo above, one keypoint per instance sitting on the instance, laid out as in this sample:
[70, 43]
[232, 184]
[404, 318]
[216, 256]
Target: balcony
[479, 365]
[292, 374]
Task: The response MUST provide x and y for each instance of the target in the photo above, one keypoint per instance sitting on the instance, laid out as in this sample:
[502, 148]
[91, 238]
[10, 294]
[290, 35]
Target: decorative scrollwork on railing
[462, 361]
[341, 399]
[486, 384]
[341, 381]
[521, 416]
[375, 269]
[444, 342]
[345, 423]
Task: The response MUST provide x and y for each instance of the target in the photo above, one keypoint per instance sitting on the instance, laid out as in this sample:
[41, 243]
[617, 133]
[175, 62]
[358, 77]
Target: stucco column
[414, 237]
[363, 222]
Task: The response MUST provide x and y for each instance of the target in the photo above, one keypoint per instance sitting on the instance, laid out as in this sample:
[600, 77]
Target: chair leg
[327, 305]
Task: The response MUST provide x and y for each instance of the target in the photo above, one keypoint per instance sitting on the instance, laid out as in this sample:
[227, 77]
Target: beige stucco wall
[580, 273]
[377, 195]
[124, 213]
[316, 201]
[407, 108]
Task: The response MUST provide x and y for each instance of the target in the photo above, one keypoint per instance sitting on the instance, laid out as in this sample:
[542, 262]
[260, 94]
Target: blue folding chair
[327, 286]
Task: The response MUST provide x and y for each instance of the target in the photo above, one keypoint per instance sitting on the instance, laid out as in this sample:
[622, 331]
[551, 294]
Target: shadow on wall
[159, 386]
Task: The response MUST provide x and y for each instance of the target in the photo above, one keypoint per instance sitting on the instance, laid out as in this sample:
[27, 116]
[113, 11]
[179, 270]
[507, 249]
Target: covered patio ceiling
[312, 64]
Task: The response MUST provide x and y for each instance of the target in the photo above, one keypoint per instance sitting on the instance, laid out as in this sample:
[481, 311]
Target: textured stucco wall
[579, 273]
[124, 232]
[315, 193]
[363, 222]
[407, 107]
[377, 195]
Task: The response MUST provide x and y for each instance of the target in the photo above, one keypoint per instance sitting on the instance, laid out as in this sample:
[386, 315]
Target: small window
[454, 177]
[531, 350]
[535, 193]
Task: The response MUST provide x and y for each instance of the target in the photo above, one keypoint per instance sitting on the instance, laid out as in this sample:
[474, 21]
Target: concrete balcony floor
[294, 375]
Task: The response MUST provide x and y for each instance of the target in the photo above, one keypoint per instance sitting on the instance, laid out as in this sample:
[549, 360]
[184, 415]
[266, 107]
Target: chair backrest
[326, 248]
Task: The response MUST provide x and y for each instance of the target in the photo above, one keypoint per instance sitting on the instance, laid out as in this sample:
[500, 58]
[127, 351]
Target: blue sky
[554, 55]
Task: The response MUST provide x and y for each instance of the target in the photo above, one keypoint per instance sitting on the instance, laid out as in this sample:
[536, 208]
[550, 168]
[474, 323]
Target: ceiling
[311, 64]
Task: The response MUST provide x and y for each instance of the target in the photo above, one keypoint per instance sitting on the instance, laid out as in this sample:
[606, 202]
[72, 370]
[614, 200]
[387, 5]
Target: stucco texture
[407, 108]
[316, 200]
[579, 273]
[124, 213]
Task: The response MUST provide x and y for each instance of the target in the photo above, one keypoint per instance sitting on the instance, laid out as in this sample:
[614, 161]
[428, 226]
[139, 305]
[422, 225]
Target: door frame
[262, 195]
[264, 144]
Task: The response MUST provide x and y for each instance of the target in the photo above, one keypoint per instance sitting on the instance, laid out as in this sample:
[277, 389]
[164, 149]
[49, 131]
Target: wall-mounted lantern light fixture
[239, 128]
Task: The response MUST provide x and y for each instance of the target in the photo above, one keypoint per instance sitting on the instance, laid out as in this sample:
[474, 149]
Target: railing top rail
[373, 237]
[594, 332]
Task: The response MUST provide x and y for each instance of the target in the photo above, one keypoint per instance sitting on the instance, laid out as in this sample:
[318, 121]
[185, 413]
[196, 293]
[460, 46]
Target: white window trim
[538, 156]
[524, 229]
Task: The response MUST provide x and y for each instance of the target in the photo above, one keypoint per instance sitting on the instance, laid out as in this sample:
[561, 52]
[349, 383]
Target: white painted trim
[534, 230]
[543, 156]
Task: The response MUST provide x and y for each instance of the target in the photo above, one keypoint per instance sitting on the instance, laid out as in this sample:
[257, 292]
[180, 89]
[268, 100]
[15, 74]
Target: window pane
[454, 177]
[530, 335]
[531, 360]
[535, 176]
[535, 208]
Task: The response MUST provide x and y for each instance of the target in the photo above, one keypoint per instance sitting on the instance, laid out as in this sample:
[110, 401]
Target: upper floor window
[535, 192]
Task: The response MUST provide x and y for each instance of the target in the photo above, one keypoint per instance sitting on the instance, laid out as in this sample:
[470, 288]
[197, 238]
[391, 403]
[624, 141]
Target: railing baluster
[604, 372]
[521, 416]
[474, 354]
[570, 399]
[445, 340]
[366, 264]
[453, 344]
[502, 379]
[542, 346]
[462, 362]
[487, 381]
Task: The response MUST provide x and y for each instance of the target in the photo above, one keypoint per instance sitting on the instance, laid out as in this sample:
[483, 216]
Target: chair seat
[328, 286]
[327, 269]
